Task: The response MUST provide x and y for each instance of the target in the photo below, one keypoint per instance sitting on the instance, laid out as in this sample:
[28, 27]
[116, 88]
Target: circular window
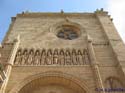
[68, 32]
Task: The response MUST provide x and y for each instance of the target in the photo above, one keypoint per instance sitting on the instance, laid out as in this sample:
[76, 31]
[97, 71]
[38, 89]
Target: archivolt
[57, 78]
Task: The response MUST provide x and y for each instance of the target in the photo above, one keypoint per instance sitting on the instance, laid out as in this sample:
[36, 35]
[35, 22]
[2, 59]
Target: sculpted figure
[67, 58]
[86, 57]
[80, 58]
[49, 57]
[18, 58]
[43, 57]
[55, 57]
[24, 57]
[61, 58]
[37, 58]
[74, 57]
[30, 58]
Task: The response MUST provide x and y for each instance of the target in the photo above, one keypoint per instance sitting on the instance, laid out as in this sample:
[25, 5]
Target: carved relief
[24, 57]
[49, 57]
[30, 58]
[86, 57]
[18, 58]
[80, 57]
[61, 57]
[55, 57]
[74, 57]
[67, 57]
[52, 57]
[37, 58]
[43, 57]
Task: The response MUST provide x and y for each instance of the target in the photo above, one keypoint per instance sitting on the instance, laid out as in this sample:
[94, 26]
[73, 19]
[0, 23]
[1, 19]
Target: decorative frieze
[52, 57]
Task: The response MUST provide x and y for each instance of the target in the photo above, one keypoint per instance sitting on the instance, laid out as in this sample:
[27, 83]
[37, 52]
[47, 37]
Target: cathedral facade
[62, 53]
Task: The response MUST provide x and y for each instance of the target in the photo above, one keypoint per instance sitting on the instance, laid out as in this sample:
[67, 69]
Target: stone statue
[43, 57]
[74, 57]
[67, 58]
[49, 58]
[37, 58]
[24, 57]
[18, 58]
[61, 58]
[30, 58]
[80, 58]
[55, 57]
[86, 57]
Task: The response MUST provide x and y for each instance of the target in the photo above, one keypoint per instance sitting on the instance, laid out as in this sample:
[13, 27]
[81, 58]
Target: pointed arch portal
[51, 83]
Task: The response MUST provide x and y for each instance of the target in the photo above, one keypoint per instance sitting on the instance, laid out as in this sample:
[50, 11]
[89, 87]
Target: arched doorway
[51, 83]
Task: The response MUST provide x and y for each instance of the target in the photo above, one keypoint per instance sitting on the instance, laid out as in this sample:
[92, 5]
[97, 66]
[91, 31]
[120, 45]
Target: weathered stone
[79, 65]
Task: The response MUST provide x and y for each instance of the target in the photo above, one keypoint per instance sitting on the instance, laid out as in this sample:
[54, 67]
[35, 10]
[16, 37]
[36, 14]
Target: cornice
[49, 14]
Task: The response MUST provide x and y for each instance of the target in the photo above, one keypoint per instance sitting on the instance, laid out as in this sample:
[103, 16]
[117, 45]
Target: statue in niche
[86, 57]
[24, 57]
[37, 58]
[74, 57]
[49, 57]
[18, 58]
[61, 58]
[67, 57]
[55, 57]
[113, 83]
[43, 57]
[80, 58]
[30, 58]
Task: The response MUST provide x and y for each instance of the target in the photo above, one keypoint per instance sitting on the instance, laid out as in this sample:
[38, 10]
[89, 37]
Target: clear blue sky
[9, 8]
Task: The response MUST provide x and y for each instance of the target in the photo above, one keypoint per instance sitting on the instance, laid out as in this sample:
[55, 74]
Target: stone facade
[62, 53]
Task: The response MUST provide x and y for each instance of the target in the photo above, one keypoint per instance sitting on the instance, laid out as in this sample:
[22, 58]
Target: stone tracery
[52, 57]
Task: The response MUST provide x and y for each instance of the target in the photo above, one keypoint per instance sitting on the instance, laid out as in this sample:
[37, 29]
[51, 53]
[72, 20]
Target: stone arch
[74, 51]
[62, 51]
[25, 49]
[56, 51]
[49, 51]
[43, 51]
[37, 51]
[113, 82]
[79, 52]
[51, 78]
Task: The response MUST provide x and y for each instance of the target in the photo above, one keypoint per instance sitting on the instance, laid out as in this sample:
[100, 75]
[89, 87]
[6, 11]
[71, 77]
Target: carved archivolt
[43, 83]
[52, 57]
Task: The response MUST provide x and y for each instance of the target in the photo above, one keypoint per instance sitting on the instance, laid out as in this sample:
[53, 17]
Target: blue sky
[10, 8]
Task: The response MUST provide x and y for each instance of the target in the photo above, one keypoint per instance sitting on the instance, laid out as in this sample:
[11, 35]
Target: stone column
[10, 62]
[2, 73]
[95, 67]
